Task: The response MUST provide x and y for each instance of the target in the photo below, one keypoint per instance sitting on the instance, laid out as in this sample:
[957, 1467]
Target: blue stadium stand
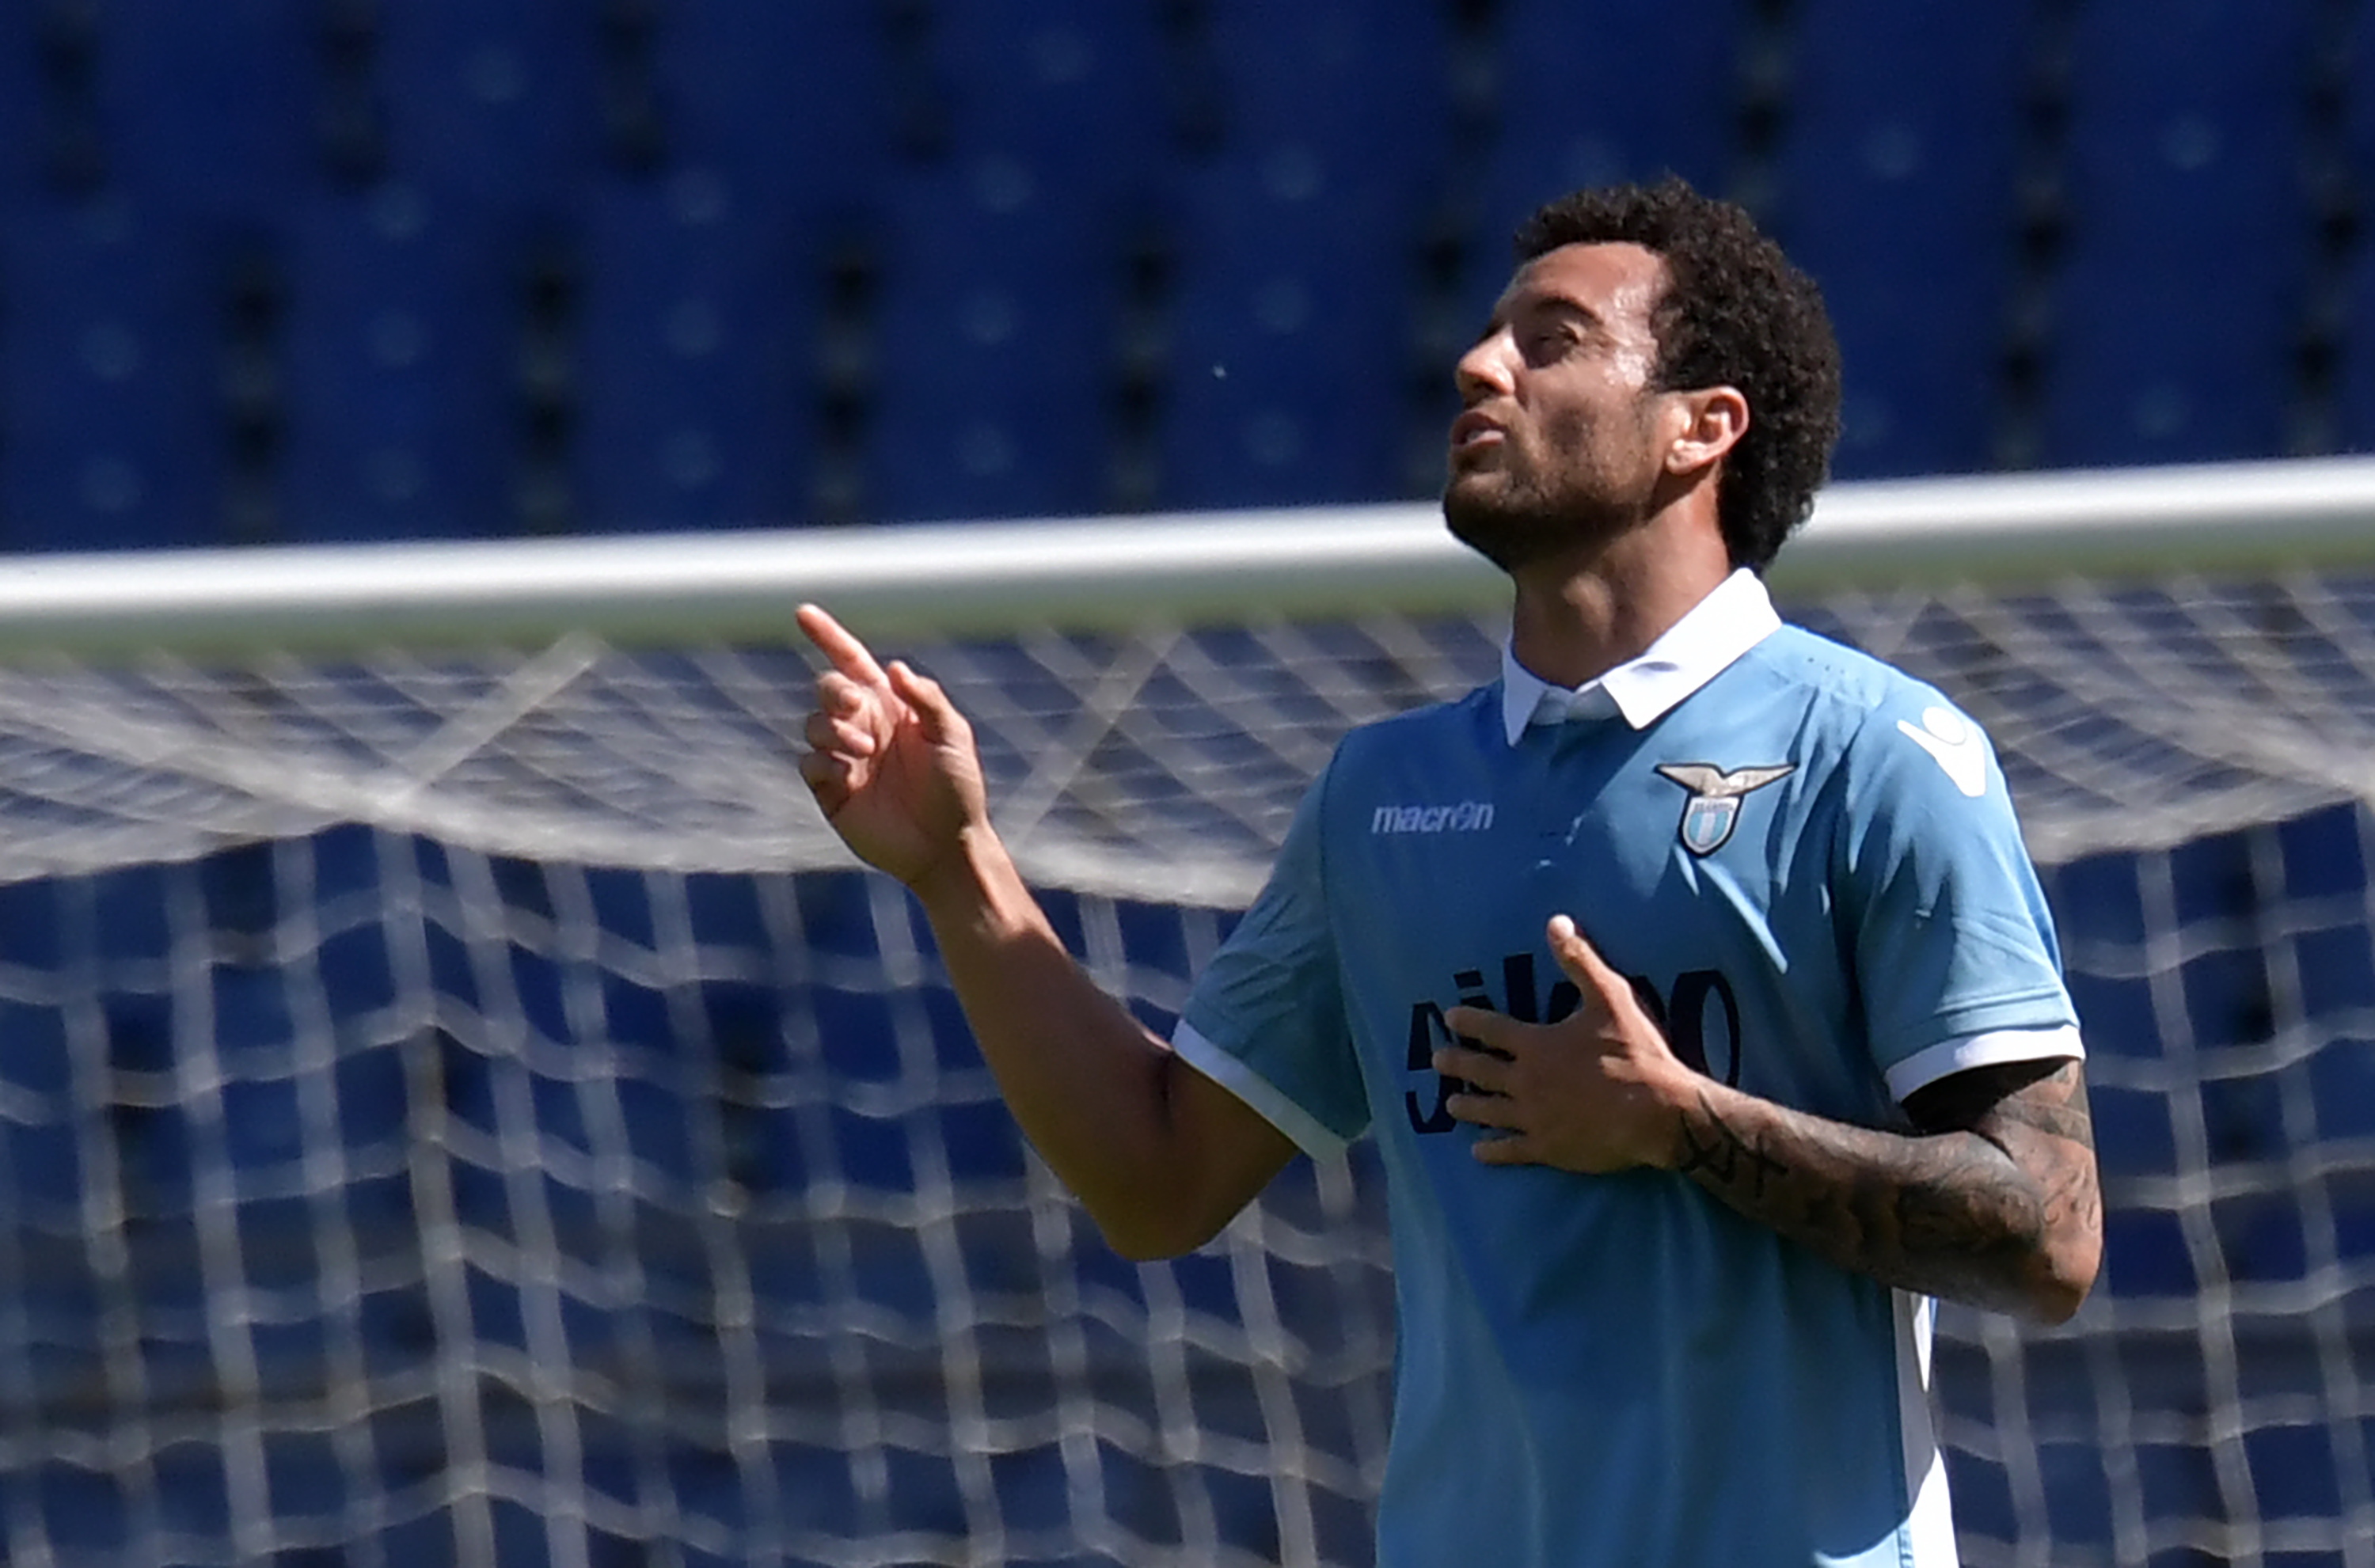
[1006, 262]
[1593, 94]
[401, 356]
[491, 101]
[1895, 178]
[111, 429]
[2356, 389]
[695, 340]
[2177, 302]
[1293, 349]
[208, 110]
[790, 104]
[1292, 356]
[24, 125]
[1074, 90]
[992, 337]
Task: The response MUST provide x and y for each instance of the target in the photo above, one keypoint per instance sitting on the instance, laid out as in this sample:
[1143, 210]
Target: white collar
[1734, 617]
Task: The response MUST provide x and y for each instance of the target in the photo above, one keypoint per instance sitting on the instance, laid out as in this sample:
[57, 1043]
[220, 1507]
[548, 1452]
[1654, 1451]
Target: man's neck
[1579, 615]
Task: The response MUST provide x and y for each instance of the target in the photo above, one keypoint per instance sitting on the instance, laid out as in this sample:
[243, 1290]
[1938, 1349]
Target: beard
[1513, 524]
[1505, 528]
[1513, 511]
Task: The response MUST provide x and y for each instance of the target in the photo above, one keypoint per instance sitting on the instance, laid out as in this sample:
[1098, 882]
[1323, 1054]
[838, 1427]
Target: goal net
[458, 1104]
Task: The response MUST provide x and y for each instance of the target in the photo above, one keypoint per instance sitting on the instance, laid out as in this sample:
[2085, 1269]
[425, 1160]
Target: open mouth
[1473, 430]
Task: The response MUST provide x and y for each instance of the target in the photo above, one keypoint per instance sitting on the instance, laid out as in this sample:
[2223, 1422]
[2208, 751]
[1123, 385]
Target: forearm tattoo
[1988, 1204]
[1727, 1159]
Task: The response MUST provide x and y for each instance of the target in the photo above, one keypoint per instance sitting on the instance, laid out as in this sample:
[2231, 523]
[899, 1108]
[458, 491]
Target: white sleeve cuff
[1948, 1057]
[1308, 1133]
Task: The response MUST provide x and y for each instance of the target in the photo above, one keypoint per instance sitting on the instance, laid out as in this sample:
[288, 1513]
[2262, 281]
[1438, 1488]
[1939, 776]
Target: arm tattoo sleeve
[1992, 1200]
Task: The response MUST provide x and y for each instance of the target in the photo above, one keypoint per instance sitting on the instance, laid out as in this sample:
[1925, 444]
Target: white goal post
[2007, 530]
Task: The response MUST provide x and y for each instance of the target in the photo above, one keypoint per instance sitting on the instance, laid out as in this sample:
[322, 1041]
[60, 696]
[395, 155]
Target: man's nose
[1484, 370]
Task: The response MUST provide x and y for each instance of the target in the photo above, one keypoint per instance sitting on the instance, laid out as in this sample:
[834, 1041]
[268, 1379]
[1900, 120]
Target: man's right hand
[891, 761]
[1162, 1155]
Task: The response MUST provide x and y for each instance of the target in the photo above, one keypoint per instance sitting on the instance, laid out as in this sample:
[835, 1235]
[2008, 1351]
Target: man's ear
[1709, 423]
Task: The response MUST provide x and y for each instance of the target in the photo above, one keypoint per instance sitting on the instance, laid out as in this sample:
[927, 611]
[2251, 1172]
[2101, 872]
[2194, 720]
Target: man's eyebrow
[1560, 305]
[1551, 305]
[1544, 304]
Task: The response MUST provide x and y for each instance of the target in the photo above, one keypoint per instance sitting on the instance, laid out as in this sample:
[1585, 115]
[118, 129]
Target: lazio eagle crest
[1713, 808]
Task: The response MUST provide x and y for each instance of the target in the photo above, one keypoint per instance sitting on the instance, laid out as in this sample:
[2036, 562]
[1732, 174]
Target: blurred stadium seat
[2355, 380]
[111, 415]
[2177, 305]
[791, 105]
[1896, 190]
[993, 338]
[23, 131]
[1291, 372]
[493, 102]
[402, 361]
[1590, 95]
[1291, 361]
[1073, 89]
[695, 342]
[209, 111]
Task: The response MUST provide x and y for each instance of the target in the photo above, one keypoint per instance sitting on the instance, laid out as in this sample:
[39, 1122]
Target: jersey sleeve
[1266, 1019]
[1955, 955]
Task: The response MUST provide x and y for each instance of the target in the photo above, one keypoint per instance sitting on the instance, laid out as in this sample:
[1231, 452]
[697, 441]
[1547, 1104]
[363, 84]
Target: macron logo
[1955, 744]
[1468, 817]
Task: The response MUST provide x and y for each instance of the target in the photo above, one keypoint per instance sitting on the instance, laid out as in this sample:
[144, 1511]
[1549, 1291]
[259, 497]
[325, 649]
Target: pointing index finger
[836, 643]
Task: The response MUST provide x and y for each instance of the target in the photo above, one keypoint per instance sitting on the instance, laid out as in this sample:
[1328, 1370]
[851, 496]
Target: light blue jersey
[1808, 863]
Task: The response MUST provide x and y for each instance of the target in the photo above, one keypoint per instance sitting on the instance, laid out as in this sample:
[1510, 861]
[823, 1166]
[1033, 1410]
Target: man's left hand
[1594, 1093]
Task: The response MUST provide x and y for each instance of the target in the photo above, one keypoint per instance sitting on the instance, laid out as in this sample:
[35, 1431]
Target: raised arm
[1992, 1200]
[1162, 1156]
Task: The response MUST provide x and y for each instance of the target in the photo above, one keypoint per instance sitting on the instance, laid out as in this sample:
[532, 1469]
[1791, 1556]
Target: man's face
[1557, 443]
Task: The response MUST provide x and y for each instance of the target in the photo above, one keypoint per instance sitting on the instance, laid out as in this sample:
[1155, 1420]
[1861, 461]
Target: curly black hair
[1734, 313]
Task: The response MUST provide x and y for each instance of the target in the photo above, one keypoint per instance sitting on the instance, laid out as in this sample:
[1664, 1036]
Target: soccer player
[1691, 977]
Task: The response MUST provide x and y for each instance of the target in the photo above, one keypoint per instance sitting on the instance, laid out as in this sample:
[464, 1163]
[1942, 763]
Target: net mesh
[465, 1108]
